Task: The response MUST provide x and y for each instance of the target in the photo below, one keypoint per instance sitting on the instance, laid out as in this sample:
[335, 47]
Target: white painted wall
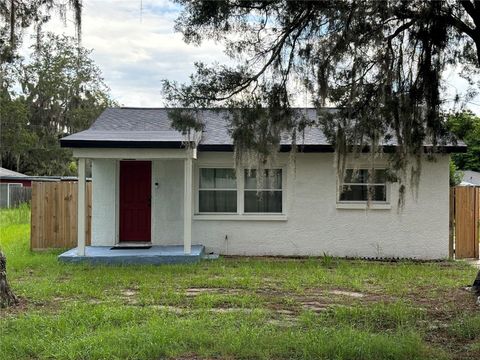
[104, 219]
[167, 220]
[314, 224]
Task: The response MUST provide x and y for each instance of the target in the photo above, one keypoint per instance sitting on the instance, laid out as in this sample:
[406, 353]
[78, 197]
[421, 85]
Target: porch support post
[187, 206]
[81, 211]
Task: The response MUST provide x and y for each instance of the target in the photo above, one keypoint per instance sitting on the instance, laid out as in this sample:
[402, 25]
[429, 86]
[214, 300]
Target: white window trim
[9, 185]
[364, 205]
[240, 215]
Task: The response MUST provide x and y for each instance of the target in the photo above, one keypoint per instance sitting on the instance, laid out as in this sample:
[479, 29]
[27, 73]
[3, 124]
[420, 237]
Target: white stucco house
[148, 188]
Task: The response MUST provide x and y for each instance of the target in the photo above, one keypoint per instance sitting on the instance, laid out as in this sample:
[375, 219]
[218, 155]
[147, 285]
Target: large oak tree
[381, 63]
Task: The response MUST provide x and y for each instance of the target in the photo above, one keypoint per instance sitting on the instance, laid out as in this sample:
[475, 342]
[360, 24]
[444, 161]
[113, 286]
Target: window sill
[363, 206]
[242, 217]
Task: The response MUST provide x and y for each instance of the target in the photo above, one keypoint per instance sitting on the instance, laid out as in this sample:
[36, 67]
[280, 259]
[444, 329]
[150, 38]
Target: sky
[135, 46]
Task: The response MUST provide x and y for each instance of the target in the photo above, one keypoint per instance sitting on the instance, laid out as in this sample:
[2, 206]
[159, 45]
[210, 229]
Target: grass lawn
[248, 308]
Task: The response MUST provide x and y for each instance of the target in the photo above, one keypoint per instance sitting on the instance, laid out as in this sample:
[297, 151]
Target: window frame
[386, 184]
[240, 214]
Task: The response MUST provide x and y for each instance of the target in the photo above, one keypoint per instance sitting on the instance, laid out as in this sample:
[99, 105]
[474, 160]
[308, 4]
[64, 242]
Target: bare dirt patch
[218, 291]
[174, 309]
[129, 295]
[17, 309]
[314, 306]
[129, 292]
[352, 294]
[225, 310]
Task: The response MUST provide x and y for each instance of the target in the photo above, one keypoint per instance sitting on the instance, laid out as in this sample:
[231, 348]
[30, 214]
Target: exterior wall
[104, 195]
[25, 183]
[167, 202]
[313, 224]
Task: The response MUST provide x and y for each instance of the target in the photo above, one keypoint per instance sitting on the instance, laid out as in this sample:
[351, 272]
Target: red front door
[135, 200]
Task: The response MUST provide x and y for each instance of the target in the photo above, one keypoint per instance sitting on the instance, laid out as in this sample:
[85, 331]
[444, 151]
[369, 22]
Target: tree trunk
[476, 284]
[7, 297]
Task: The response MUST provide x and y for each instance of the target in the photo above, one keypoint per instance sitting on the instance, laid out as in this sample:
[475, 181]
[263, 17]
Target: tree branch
[275, 53]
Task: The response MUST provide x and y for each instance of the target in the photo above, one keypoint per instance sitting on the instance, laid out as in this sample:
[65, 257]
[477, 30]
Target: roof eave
[66, 143]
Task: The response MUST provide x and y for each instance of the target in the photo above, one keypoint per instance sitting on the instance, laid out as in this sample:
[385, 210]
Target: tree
[65, 92]
[7, 297]
[62, 93]
[16, 15]
[15, 137]
[466, 126]
[380, 62]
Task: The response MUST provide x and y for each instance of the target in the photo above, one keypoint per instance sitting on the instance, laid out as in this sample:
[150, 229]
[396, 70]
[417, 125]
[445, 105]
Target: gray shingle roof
[151, 127]
[10, 173]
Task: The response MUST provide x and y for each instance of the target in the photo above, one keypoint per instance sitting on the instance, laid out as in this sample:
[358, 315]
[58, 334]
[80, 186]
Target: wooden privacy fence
[464, 221]
[54, 215]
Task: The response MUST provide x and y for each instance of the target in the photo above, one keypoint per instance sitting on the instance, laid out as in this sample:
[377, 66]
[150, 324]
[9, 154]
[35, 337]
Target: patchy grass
[245, 308]
[466, 328]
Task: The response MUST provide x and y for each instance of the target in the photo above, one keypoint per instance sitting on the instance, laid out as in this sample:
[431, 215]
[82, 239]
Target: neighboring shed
[12, 177]
[14, 185]
[10, 181]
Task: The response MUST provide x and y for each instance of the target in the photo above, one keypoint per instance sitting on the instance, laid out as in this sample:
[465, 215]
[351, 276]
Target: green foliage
[16, 138]
[328, 260]
[18, 15]
[62, 92]
[466, 126]
[456, 175]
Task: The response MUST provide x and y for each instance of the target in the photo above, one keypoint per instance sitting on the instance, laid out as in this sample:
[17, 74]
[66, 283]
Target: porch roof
[151, 128]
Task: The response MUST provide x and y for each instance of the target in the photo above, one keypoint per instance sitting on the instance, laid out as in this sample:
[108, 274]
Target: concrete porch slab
[156, 255]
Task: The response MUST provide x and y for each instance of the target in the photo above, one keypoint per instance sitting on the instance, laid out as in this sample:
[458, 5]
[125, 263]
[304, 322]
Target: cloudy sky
[135, 46]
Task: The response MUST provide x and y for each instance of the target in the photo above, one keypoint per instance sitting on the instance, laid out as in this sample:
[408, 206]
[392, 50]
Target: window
[217, 191]
[6, 194]
[3, 195]
[265, 197]
[361, 185]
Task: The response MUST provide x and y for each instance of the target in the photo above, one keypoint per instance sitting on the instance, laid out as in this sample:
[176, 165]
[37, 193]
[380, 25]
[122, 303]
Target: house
[149, 188]
[12, 177]
[15, 187]
[10, 181]
[470, 178]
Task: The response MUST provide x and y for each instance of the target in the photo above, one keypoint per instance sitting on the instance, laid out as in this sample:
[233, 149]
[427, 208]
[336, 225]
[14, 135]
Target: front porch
[138, 204]
[153, 255]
